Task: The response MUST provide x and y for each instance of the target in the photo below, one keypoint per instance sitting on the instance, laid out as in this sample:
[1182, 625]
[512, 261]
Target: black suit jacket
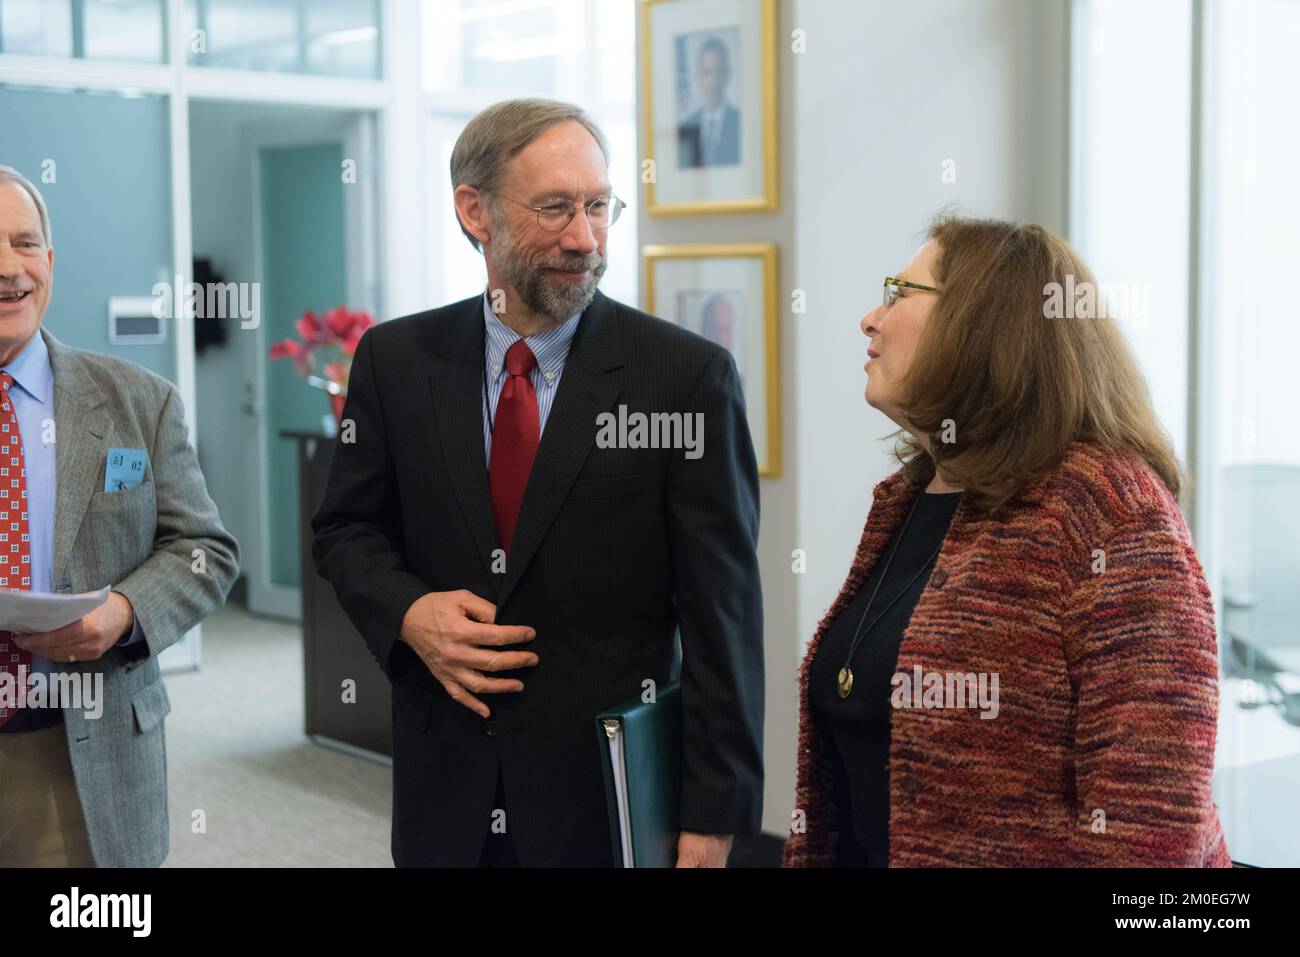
[616, 549]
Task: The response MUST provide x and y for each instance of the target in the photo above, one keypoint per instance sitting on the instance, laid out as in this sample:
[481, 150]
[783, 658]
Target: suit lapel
[82, 424]
[588, 386]
[457, 389]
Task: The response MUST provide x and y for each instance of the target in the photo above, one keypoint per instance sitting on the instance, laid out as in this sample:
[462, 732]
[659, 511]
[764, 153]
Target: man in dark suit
[512, 570]
[711, 135]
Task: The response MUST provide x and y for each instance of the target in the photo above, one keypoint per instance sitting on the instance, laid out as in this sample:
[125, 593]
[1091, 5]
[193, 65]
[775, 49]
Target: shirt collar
[550, 347]
[31, 369]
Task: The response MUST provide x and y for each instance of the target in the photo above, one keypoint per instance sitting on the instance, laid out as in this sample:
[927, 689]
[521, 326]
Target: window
[1251, 343]
[324, 37]
[1219, 343]
[1130, 175]
[477, 52]
[93, 29]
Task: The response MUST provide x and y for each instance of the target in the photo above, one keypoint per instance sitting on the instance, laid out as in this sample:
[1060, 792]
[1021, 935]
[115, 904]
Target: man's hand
[449, 629]
[703, 850]
[86, 639]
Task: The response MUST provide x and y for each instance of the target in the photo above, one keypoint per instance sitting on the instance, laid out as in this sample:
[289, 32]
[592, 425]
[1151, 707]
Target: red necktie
[515, 434]
[15, 543]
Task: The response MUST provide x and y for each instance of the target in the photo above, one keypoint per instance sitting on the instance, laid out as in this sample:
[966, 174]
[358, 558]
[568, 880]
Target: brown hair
[499, 133]
[1016, 386]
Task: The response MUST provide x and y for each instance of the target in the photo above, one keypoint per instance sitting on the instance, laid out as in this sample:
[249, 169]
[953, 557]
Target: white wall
[885, 94]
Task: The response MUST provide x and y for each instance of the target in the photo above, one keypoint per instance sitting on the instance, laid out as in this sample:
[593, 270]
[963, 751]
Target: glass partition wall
[1182, 198]
[156, 129]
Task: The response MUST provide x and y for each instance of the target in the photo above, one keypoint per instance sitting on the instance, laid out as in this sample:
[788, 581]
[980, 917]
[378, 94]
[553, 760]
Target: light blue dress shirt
[551, 349]
[33, 397]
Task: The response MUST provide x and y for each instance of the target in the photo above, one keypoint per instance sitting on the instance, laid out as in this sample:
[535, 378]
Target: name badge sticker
[124, 469]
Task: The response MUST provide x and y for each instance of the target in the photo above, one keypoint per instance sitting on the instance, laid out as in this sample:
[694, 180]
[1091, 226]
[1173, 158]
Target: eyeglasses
[893, 285]
[602, 212]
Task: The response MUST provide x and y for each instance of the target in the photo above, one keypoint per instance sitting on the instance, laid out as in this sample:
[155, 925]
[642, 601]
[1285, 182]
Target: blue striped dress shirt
[551, 349]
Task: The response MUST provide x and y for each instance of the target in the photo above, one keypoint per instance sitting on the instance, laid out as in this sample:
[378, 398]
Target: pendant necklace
[844, 681]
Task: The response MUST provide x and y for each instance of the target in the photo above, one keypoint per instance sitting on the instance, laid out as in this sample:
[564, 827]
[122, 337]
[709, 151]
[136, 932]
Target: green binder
[641, 750]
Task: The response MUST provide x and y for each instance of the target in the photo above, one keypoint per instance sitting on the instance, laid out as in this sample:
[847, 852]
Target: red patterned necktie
[515, 435]
[15, 543]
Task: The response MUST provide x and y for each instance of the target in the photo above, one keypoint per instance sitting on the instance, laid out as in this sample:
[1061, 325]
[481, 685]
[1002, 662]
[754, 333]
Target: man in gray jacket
[99, 486]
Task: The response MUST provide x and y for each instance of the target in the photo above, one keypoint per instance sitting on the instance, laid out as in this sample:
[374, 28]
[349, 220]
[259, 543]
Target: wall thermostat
[131, 322]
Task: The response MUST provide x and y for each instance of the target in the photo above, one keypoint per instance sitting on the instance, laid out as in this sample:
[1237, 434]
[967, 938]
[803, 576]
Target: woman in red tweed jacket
[1065, 580]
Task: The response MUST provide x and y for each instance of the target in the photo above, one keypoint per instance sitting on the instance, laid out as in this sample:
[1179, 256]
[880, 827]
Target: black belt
[32, 719]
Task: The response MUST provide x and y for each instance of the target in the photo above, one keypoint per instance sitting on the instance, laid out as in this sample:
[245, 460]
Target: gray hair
[499, 133]
[10, 175]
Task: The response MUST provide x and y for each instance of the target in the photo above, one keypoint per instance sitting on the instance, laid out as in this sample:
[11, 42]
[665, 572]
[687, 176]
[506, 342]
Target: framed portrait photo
[727, 293]
[709, 96]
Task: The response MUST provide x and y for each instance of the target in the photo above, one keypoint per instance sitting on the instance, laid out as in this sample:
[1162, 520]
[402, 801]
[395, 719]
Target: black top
[858, 727]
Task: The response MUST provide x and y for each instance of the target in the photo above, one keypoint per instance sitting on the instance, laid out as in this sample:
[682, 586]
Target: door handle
[250, 404]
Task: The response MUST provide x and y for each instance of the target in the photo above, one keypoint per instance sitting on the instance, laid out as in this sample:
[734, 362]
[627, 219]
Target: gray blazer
[141, 542]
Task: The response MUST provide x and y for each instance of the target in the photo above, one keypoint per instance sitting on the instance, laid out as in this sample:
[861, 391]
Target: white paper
[620, 796]
[32, 613]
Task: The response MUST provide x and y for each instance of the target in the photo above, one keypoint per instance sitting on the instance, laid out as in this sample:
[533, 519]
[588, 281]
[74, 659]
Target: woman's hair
[1005, 381]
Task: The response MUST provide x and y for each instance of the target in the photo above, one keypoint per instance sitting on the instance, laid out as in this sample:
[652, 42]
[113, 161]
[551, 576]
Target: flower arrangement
[322, 353]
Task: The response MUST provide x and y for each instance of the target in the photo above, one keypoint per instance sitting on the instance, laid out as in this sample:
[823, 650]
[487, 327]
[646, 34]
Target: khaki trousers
[41, 824]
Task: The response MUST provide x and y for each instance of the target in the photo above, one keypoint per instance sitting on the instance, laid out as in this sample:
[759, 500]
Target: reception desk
[357, 716]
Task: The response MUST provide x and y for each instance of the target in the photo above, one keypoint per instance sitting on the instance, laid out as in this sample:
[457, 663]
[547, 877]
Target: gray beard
[545, 296]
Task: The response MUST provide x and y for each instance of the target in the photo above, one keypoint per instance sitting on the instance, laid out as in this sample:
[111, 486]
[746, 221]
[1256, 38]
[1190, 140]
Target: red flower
[339, 321]
[310, 328]
[337, 331]
[288, 349]
[349, 344]
[361, 321]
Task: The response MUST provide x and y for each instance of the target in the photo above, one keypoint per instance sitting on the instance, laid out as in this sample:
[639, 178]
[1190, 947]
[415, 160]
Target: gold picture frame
[766, 201]
[765, 385]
